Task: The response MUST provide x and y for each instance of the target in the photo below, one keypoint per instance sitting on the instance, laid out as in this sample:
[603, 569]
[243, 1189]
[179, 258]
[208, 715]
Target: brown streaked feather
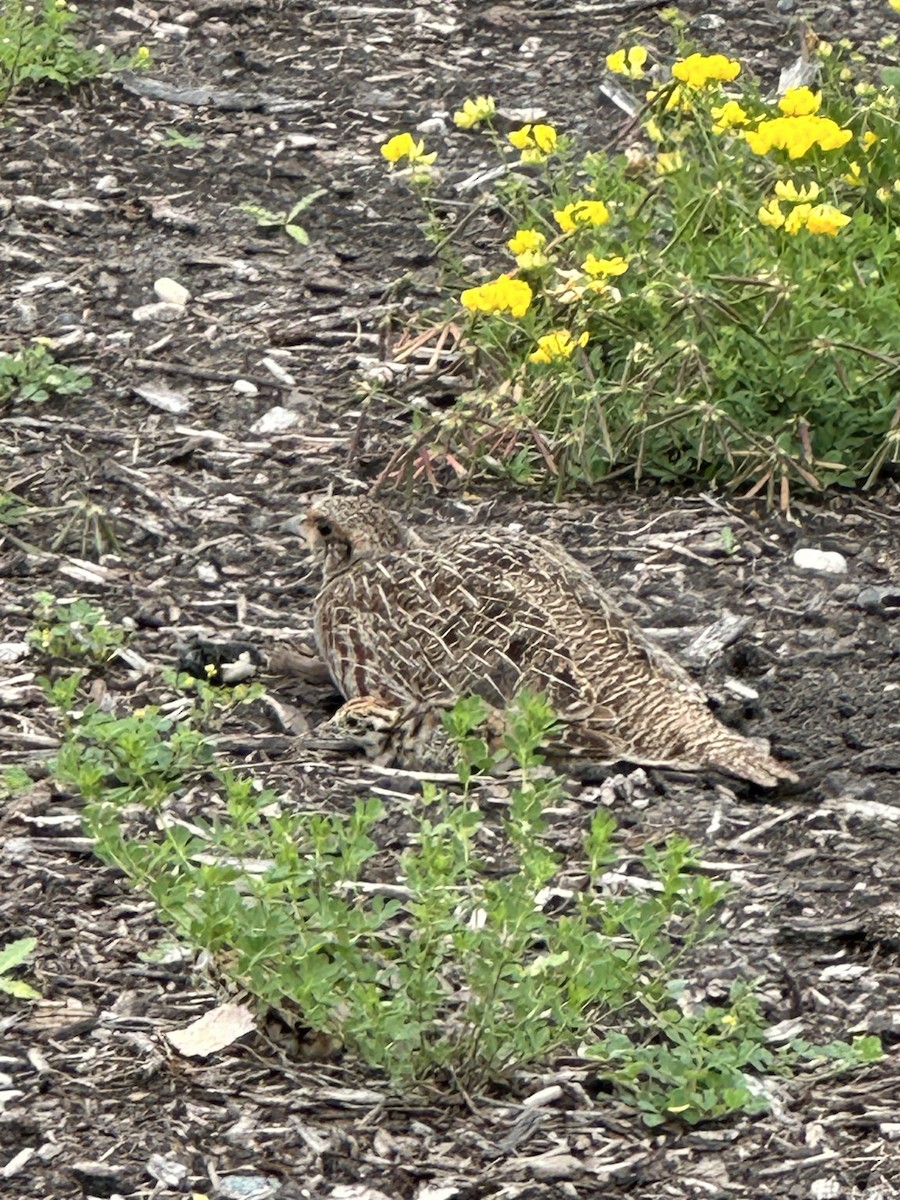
[487, 612]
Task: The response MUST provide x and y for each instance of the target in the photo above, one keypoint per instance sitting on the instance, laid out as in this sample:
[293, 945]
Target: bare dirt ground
[184, 521]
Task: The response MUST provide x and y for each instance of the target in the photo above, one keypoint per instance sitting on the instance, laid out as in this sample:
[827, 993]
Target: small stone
[245, 388]
[276, 420]
[882, 600]
[158, 312]
[827, 561]
[433, 126]
[170, 291]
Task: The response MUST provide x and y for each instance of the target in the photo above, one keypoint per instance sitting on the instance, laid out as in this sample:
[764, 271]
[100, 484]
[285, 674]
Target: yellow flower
[482, 108]
[404, 145]
[653, 131]
[536, 142]
[788, 190]
[797, 218]
[527, 246]
[678, 99]
[854, 176]
[797, 135]
[825, 218]
[868, 140]
[697, 70]
[628, 62]
[800, 102]
[667, 163]
[580, 213]
[770, 214]
[556, 345]
[504, 294]
[727, 115]
[604, 266]
[895, 5]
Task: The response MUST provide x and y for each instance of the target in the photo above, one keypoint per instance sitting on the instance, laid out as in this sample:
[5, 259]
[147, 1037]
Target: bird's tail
[748, 758]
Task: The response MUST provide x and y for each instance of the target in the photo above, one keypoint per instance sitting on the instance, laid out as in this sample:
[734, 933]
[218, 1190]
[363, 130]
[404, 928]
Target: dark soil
[185, 523]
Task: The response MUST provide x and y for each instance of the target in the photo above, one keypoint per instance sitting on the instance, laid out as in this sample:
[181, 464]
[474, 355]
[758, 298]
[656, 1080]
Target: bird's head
[342, 529]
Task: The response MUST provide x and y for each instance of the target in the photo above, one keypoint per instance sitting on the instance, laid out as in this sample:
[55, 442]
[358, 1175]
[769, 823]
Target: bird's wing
[489, 617]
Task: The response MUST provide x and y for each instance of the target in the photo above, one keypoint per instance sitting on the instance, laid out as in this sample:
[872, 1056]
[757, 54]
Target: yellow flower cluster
[728, 115]
[698, 70]
[800, 102]
[536, 142]
[628, 62]
[556, 345]
[604, 266]
[404, 145]
[504, 294]
[667, 162]
[821, 218]
[797, 135]
[528, 246]
[786, 189]
[581, 213]
[473, 112]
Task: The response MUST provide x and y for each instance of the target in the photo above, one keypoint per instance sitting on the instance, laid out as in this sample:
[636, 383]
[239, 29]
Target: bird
[407, 624]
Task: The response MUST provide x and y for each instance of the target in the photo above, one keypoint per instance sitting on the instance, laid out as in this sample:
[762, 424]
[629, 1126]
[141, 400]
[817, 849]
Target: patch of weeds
[37, 44]
[462, 970]
[12, 781]
[145, 757]
[32, 374]
[175, 140]
[729, 541]
[215, 702]
[715, 303]
[286, 219]
[74, 630]
[13, 955]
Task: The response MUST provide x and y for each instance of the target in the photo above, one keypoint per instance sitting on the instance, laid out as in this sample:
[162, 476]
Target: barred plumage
[415, 624]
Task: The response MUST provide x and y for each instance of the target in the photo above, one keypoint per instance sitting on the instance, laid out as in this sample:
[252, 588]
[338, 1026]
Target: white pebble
[828, 561]
[170, 291]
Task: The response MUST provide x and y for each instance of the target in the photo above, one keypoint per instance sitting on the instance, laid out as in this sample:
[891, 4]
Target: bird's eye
[324, 528]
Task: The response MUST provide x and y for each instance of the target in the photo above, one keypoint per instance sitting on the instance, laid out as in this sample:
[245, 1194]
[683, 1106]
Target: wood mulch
[171, 494]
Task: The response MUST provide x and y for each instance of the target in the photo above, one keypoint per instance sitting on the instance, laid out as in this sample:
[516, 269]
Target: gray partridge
[407, 625]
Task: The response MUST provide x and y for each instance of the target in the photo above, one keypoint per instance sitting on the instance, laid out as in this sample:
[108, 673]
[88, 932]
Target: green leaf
[15, 987]
[303, 204]
[15, 953]
[298, 233]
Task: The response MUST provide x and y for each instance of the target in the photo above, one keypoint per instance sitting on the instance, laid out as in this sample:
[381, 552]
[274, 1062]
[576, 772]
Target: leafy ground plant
[13, 955]
[74, 630]
[32, 374]
[37, 44]
[462, 969]
[286, 219]
[715, 303]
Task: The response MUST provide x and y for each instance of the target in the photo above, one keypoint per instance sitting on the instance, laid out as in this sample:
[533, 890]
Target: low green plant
[176, 140]
[714, 303]
[74, 630]
[286, 219]
[461, 970]
[704, 1065]
[12, 781]
[32, 374]
[12, 955]
[37, 44]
